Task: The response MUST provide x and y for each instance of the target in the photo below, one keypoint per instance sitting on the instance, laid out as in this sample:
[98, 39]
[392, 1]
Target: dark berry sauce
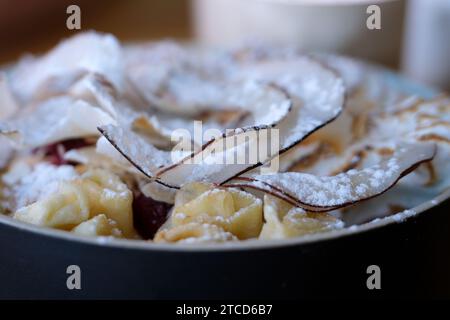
[149, 215]
[54, 153]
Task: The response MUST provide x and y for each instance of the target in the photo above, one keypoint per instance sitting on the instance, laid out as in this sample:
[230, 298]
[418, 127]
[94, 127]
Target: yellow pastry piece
[235, 211]
[108, 195]
[96, 192]
[64, 209]
[98, 226]
[282, 220]
[194, 232]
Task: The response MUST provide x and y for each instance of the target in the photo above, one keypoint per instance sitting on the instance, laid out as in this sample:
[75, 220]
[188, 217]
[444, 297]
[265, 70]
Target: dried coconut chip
[143, 155]
[159, 128]
[177, 79]
[186, 82]
[56, 119]
[157, 191]
[265, 105]
[61, 67]
[209, 164]
[97, 90]
[258, 97]
[371, 82]
[258, 105]
[326, 193]
[318, 96]
[156, 163]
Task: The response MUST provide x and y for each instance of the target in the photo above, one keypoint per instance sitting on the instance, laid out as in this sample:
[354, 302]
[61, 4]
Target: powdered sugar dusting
[143, 154]
[344, 188]
[40, 182]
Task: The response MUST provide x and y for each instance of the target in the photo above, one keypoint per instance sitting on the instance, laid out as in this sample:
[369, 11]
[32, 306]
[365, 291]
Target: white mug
[426, 54]
[313, 25]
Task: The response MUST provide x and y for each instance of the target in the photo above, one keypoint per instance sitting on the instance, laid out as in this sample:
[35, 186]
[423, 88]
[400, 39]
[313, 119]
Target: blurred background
[414, 35]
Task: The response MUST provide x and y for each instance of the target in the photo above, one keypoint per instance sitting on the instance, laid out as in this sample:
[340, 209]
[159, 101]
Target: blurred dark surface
[413, 257]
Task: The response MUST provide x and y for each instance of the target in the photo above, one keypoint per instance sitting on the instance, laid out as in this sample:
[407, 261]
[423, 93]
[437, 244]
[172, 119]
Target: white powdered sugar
[344, 188]
[210, 234]
[58, 119]
[85, 52]
[401, 216]
[39, 182]
[143, 154]
[318, 95]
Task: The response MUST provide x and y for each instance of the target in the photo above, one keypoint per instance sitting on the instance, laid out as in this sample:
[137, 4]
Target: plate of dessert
[178, 170]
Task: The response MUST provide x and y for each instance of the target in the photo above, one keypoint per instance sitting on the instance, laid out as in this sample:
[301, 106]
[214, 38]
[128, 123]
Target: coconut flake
[177, 79]
[56, 71]
[36, 183]
[56, 119]
[318, 98]
[317, 93]
[143, 155]
[326, 193]
[95, 89]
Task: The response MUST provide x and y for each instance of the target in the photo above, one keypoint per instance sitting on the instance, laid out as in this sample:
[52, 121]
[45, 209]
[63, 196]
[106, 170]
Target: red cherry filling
[149, 215]
[54, 153]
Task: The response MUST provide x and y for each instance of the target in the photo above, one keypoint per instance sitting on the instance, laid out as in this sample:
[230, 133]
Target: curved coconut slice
[342, 143]
[184, 82]
[61, 67]
[319, 100]
[265, 104]
[317, 93]
[318, 97]
[422, 185]
[57, 119]
[362, 80]
[220, 159]
[413, 119]
[177, 79]
[159, 135]
[105, 148]
[239, 106]
[160, 128]
[96, 89]
[158, 192]
[89, 156]
[327, 193]
[298, 154]
[207, 163]
[330, 142]
[143, 155]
